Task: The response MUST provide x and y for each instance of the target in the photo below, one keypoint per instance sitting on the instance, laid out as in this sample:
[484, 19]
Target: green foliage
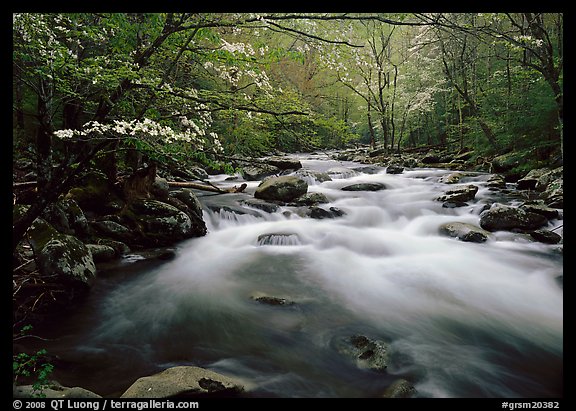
[32, 367]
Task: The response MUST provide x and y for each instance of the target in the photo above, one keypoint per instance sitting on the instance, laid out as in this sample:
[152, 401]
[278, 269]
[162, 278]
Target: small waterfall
[279, 239]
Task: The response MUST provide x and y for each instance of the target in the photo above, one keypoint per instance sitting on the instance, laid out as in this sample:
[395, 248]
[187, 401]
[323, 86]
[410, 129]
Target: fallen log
[203, 187]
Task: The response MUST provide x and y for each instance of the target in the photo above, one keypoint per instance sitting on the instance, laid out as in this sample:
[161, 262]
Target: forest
[127, 95]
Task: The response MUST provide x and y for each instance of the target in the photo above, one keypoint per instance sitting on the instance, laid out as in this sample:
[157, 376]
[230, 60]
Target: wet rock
[312, 177]
[548, 212]
[61, 254]
[95, 193]
[188, 197]
[464, 232]
[496, 181]
[546, 236]
[394, 169]
[160, 188]
[454, 204]
[271, 300]
[529, 181]
[553, 196]
[255, 173]
[183, 381]
[364, 187]
[341, 172]
[54, 390]
[284, 163]
[321, 213]
[113, 230]
[547, 178]
[261, 205]
[451, 178]
[400, 388]
[464, 193]
[502, 217]
[310, 199]
[101, 253]
[159, 223]
[283, 188]
[67, 217]
[365, 352]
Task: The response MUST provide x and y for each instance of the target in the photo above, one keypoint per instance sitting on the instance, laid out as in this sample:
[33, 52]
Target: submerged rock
[400, 388]
[183, 381]
[364, 187]
[366, 353]
[54, 390]
[283, 188]
[271, 300]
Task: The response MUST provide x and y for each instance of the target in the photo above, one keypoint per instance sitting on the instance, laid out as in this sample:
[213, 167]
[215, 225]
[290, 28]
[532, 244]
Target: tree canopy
[198, 87]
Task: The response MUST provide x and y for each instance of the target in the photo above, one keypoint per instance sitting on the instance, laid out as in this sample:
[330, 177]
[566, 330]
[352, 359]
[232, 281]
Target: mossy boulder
[502, 217]
[158, 223]
[95, 193]
[283, 189]
[60, 254]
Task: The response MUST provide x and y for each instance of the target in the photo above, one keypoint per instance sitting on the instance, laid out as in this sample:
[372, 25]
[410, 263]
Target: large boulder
[502, 217]
[95, 193]
[159, 223]
[530, 180]
[464, 232]
[60, 254]
[545, 179]
[183, 381]
[67, 217]
[283, 189]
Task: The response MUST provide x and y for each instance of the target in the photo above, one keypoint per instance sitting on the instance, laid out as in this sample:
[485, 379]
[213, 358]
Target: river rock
[464, 232]
[553, 196]
[367, 353]
[394, 169]
[464, 193]
[101, 253]
[341, 172]
[159, 223]
[310, 199]
[529, 181]
[67, 217]
[261, 205]
[113, 230]
[283, 189]
[548, 177]
[548, 212]
[400, 388]
[546, 236]
[496, 181]
[61, 254]
[271, 300]
[258, 172]
[321, 213]
[183, 381]
[160, 188]
[312, 177]
[364, 187]
[53, 390]
[502, 217]
[451, 178]
[284, 163]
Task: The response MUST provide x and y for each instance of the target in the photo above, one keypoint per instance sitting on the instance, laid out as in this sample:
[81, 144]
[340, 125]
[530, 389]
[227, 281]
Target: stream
[459, 319]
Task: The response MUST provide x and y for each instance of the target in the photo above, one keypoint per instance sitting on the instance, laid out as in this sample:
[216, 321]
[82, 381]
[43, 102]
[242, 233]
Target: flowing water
[460, 319]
